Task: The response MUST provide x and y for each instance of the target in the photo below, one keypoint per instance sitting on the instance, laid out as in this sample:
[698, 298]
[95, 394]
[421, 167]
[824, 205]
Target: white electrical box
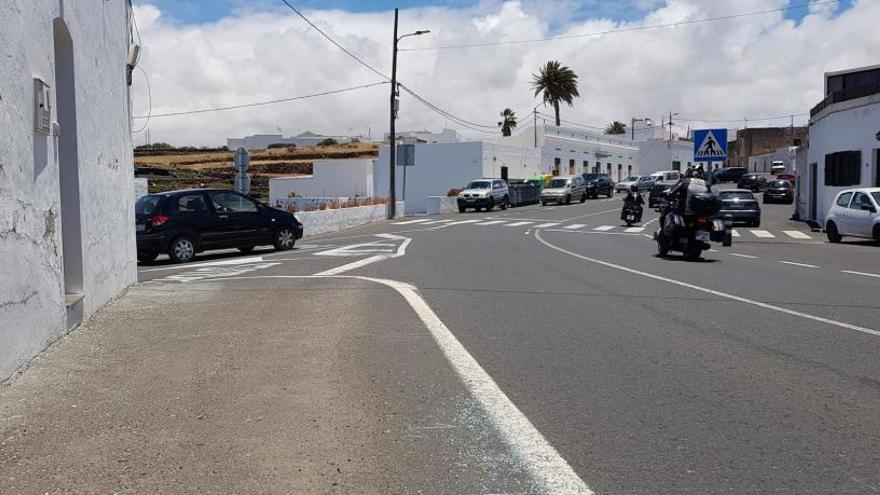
[42, 107]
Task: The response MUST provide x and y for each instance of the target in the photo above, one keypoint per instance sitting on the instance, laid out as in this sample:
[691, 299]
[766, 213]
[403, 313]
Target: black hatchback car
[752, 182]
[729, 174]
[599, 184]
[183, 223]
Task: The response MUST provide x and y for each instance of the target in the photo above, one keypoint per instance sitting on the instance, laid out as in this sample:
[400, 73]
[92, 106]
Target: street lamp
[392, 191]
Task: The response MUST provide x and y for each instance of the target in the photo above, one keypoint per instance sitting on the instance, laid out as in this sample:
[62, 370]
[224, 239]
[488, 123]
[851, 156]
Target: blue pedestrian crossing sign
[710, 145]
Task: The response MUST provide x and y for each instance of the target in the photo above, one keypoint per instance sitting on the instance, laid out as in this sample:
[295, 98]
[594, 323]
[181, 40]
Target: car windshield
[646, 178]
[736, 195]
[558, 183]
[480, 184]
[146, 205]
[591, 176]
[780, 183]
[630, 179]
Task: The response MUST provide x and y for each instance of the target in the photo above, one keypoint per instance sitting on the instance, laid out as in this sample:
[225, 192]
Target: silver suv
[563, 189]
[484, 193]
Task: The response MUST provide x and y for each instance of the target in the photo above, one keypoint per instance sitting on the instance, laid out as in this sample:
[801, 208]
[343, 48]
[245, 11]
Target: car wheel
[756, 223]
[832, 233]
[246, 249]
[147, 256]
[182, 250]
[610, 193]
[462, 209]
[568, 199]
[284, 239]
[505, 203]
[491, 204]
[543, 203]
[877, 234]
[583, 197]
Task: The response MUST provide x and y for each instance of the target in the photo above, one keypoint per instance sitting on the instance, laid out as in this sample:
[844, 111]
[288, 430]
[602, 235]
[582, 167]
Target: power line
[459, 120]
[261, 103]
[622, 30]
[744, 119]
[331, 40]
[150, 106]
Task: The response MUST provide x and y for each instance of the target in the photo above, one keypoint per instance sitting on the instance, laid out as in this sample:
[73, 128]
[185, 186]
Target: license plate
[140, 227]
[630, 217]
[702, 235]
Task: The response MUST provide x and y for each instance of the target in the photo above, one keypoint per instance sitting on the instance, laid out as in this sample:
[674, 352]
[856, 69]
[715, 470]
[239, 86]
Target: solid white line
[435, 222]
[462, 222]
[634, 230]
[604, 228]
[805, 265]
[541, 459]
[401, 250]
[762, 233]
[546, 225]
[574, 226]
[713, 291]
[861, 273]
[734, 233]
[491, 222]
[744, 256]
[518, 224]
[187, 266]
[796, 234]
[412, 221]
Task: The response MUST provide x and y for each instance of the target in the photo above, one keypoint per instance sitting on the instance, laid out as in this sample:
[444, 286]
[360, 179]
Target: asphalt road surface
[533, 350]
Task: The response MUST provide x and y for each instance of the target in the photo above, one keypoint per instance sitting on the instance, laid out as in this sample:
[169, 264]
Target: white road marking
[796, 234]
[217, 271]
[604, 228]
[634, 230]
[744, 256]
[861, 273]
[491, 222]
[543, 461]
[401, 250]
[714, 292]
[518, 224]
[462, 222]
[574, 226]
[805, 265]
[435, 222]
[355, 250]
[546, 225]
[734, 233]
[232, 262]
[412, 221]
[762, 233]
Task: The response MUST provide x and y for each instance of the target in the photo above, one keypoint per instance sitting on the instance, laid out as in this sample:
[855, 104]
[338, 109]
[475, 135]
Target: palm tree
[508, 123]
[615, 128]
[558, 83]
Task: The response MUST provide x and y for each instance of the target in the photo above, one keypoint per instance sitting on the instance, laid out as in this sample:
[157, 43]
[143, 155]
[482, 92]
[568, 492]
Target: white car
[484, 193]
[854, 213]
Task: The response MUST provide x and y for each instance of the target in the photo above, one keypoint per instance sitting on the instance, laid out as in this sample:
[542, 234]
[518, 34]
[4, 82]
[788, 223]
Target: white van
[666, 177]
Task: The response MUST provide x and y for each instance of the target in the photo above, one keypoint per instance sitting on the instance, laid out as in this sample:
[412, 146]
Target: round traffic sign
[242, 160]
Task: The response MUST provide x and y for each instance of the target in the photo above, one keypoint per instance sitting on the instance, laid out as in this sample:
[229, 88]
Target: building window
[557, 165]
[797, 142]
[843, 168]
[571, 167]
[676, 165]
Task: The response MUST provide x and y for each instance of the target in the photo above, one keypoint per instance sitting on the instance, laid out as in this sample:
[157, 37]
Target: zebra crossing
[599, 229]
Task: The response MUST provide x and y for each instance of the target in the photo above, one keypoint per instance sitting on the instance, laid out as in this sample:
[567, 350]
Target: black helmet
[634, 188]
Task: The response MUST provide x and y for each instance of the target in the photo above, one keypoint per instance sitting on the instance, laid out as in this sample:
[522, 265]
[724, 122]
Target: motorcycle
[689, 234]
[631, 214]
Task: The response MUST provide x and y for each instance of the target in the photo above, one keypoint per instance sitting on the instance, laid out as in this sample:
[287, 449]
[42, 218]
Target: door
[504, 173]
[239, 218]
[190, 213]
[840, 212]
[861, 215]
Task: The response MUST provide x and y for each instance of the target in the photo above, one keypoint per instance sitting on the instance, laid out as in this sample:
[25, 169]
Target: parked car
[185, 222]
[729, 174]
[657, 197]
[854, 213]
[752, 182]
[667, 178]
[484, 193]
[598, 184]
[779, 191]
[740, 204]
[626, 183]
[563, 189]
[789, 177]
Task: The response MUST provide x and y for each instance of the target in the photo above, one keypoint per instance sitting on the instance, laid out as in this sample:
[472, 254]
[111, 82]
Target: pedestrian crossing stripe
[762, 233]
[634, 230]
[796, 234]
[546, 225]
[492, 222]
[574, 226]
[604, 228]
[519, 224]
[734, 233]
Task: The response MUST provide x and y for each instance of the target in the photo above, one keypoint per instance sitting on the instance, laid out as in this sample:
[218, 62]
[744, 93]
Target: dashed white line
[604, 228]
[734, 233]
[805, 265]
[796, 234]
[412, 221]
[518, 224]
[546, 225]
[461, 222]
[762, 233]
[634, 230]
[875, 275]
[574, 226]
[744, 256]
[491, 222]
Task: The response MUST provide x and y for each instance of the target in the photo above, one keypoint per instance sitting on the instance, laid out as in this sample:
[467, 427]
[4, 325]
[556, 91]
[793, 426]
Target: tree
[328, 142]
[615, 128]
[509, 122]
[558, 83]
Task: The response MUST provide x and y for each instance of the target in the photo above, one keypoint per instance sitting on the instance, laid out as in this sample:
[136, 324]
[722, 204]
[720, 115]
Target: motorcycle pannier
[706, 204]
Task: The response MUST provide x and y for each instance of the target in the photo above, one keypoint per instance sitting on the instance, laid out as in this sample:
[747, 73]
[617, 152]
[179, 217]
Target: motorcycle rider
[633, 200]
[680, 193]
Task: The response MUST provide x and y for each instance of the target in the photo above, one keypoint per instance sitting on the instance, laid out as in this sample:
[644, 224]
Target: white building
[445, 136]
[330, 178]
[440, 167]
[763, 163]
[67, 241]
[661, 154]
[263, 141]
[844, 140]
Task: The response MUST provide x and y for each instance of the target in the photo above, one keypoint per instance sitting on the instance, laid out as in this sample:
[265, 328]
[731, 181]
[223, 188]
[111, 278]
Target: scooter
[689, 235]
[631, 215]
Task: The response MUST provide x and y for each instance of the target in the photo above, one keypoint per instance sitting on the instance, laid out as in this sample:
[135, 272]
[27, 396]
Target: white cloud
[752, 66]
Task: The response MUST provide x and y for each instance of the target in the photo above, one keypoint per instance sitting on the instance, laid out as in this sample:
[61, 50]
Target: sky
[205, 54]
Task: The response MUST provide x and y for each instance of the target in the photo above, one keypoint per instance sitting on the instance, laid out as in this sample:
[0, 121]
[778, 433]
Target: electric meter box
[42, 107]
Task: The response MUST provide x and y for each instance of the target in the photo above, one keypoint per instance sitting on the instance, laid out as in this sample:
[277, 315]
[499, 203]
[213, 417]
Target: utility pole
[535, 111]
[792, 130]
[392, 142]
[670, 126]
[632, 128]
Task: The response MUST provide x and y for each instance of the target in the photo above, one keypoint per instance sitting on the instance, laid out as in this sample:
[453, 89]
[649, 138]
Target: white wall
[659, 154]
[595, 148]
[846, 126]
[763, 163]
[336, 178]
[95, 220]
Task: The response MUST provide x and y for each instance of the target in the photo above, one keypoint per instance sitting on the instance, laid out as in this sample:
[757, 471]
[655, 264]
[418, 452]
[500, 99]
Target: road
[533, 350]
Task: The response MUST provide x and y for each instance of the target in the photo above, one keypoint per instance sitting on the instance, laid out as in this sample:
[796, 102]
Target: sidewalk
[256, 386]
